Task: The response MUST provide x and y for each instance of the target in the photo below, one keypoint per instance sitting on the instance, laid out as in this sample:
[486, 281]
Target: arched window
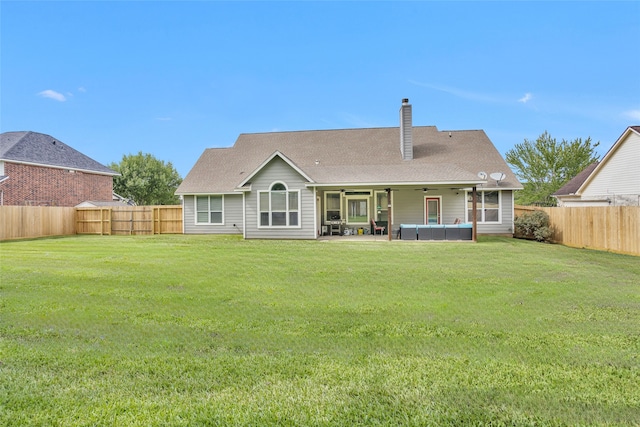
[279, 207]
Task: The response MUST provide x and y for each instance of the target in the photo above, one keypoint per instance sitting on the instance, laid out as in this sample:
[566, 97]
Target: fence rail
[26, 222]
[19, 222]
[611, 228]
[129, 220]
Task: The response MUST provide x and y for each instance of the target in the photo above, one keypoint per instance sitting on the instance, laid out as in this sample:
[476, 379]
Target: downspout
[390, 222]
[474, 206]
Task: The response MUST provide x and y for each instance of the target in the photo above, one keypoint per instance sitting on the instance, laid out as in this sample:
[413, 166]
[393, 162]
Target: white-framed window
[332, 210]
[209, 209]
[488, 206]
[279, 207]
[358, 207]
[382, 206]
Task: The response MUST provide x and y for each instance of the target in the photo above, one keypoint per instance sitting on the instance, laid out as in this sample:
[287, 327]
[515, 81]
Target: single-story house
[39, 170]
[614, 181]
[304, 184]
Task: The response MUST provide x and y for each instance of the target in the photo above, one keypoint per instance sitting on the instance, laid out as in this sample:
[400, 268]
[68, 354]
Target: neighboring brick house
[39, 170]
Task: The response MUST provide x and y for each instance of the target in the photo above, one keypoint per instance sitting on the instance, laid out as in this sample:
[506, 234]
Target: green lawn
[208, 331]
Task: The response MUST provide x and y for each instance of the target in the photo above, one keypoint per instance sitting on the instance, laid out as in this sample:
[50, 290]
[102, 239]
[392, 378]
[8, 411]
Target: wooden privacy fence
[22, 222]
[129, 220]
[26, 222]
[611, 228]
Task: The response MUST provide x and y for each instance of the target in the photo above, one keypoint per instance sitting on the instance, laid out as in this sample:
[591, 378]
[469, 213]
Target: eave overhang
[42, 165]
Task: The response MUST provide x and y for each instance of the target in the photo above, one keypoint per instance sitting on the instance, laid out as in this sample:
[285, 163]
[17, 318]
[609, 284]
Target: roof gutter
[206, 193]
[399, 183]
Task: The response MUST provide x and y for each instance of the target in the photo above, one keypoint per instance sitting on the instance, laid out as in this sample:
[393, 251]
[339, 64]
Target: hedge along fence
[20, 222]
[611, 228]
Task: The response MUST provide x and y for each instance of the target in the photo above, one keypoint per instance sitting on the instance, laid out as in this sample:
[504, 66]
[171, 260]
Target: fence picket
[611, 228]
[20, 222]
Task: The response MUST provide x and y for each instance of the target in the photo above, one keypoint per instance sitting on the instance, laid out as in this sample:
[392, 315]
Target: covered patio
[409, 212]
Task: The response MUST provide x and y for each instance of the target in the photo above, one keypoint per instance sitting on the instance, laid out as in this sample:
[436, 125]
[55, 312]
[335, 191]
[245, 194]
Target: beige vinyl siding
[620, 175]
[453, 206]
[408, 208]
[232, 217]
[279, 171]
[409, 205]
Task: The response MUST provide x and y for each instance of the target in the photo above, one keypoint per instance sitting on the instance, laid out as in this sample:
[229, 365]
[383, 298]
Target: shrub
[533, 225]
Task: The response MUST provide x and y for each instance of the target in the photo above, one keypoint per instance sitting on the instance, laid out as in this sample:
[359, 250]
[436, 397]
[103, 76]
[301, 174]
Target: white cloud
[527, 97]
[82, 89]
[633, 115]
[354, 120]
[460, 93]
[53, 95]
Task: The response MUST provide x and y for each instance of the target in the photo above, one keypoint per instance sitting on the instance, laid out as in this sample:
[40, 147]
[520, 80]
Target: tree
[545, 165]
[146, 180]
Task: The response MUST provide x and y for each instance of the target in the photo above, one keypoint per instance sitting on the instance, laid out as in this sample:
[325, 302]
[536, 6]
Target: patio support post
[474, 205]
[389, 213]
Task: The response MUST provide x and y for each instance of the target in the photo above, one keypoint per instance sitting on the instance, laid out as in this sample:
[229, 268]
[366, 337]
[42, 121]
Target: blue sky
[112, 78]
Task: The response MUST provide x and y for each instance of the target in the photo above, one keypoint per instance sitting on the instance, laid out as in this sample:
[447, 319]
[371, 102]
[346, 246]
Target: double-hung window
[209, 209]
[279, 207]
[487, 206]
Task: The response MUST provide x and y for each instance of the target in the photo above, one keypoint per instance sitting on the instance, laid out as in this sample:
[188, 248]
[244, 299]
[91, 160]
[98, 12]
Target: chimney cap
[405, 100]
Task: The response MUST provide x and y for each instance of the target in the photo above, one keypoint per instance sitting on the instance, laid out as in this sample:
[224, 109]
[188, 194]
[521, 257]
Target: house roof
[580, 181]
[45, 150]
[616, 145]
[572, 186]
[100, 204]
[354, 157]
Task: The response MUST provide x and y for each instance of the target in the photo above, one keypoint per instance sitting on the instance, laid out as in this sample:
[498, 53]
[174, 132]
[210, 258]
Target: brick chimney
[406, 131]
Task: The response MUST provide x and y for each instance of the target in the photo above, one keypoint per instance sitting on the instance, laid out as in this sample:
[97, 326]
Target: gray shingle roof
[42, 149]
[354, 156]
[576, 182]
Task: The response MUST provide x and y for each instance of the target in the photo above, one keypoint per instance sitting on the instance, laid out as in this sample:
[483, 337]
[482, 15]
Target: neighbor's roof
[354, 156]
[45, 150]
[580, 180]
[572, 186]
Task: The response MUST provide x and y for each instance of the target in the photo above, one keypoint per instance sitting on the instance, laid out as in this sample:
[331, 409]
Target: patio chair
[376, 228]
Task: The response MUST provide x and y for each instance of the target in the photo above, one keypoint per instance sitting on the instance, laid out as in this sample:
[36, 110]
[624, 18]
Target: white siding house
[615, 181]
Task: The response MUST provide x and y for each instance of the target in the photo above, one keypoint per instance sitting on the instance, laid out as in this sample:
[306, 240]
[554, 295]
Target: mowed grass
[208, 331]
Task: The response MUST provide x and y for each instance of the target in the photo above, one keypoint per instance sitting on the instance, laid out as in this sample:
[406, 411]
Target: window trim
[195, 209]
[288, 210]
[326, 210]
[424, 208]
[384, 208]
[481, 208]
[368, 209]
